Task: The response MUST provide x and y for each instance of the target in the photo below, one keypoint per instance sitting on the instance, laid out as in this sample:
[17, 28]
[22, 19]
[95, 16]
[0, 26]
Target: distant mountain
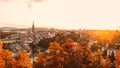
[8, 28]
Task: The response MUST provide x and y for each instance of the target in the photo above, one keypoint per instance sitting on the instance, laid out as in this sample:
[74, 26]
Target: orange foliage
[98, 58]
[7, 59]
[1, 44]
[68, 55]
[106, 63]
[69, 46]
[81, 55]
[54, 60]
[2, 63]
[105, 36]
[41, 58]
[117, 59]
[55, 48]
[87, 58]
[23, 60]
[13, 63]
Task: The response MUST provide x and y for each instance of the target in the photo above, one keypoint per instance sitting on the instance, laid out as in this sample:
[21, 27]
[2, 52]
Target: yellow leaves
[105, 35]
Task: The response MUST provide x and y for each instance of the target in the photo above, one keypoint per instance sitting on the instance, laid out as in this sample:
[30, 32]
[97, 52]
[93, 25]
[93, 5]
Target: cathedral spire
[33, 27]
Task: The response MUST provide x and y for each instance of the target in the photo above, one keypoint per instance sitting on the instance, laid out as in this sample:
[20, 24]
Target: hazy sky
[69, 14]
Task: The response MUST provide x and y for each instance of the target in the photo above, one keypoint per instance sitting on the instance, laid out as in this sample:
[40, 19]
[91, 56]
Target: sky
[63, 14]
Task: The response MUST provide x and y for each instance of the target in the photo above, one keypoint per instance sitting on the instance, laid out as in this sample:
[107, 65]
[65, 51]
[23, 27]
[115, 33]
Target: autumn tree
[1, 44]
[98, 58]
[81, 55]
[40, 61]
[104, 37]
[106, 62]
[2, 63]
[53, 60]
[68, 55]
[117, 59]
[6, 58]
[55, 49]
[88, 58]
[23, 60]
[57, 54]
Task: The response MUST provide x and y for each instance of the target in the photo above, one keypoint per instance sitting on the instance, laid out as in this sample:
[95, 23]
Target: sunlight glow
[67, 14]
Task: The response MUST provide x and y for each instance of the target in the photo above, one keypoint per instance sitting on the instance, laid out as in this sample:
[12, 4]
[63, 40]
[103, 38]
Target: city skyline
[65, 14]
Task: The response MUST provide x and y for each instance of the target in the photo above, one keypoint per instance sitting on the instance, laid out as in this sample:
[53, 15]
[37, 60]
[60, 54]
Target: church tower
[33, 28]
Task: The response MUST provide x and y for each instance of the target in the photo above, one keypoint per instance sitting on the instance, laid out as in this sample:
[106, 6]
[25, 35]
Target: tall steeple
[33, 27]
